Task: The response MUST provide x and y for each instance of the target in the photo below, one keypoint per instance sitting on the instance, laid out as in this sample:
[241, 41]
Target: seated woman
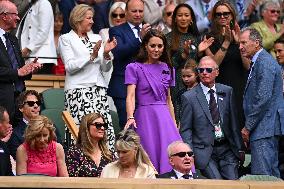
[40, 153]
[90, 155]
[133, 161]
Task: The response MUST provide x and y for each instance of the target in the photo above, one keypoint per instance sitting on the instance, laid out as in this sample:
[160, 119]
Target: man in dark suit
[181, 159]
[263, 105]
[13, 70]
[209, 125]
[128, 36]
[5, 129]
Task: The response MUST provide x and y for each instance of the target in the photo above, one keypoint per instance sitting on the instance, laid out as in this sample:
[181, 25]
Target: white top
[206, 92]
[81, 72]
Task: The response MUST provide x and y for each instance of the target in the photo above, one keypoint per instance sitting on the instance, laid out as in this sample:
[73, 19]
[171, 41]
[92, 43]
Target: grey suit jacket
[197, 126]
[263, 98]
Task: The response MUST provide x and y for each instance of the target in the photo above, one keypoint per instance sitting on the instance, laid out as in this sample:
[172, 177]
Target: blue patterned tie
[19, 86]
[241, 8]
[206, 9]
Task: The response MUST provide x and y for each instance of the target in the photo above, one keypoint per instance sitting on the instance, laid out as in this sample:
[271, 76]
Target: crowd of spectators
[195, 83]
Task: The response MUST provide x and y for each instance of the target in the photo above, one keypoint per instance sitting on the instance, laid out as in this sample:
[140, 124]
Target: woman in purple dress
[148, 104]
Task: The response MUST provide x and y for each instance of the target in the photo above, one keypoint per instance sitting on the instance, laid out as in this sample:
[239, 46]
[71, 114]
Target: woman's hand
[205, 44]
[96, 50]
[130, 122]
[236, 33]
[110, 44]
[227, 33]
[186, 49]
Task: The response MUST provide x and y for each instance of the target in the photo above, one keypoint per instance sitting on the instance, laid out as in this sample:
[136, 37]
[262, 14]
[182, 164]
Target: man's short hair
[254, 35]
[23, 96]
[279, 40]
[172, 145]
[127, 2]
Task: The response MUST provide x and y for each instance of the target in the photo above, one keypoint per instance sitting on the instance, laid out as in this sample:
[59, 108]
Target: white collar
[132, 26]
[206, 89]
[256, 55]
[179, 174]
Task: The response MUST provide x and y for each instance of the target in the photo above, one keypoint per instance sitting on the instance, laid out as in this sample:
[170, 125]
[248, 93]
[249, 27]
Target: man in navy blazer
[181, 159]
[13, 70]
[263, 105]
[128, 36]
[209, 125]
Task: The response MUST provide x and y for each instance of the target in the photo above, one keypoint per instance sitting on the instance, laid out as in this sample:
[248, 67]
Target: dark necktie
[159, 2]
[19, 86]
[206, 9]
[213, 107]
[138, 29]
[187, 176]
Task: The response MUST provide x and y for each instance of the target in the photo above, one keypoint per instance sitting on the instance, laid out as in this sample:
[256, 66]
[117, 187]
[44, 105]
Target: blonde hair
[129, 140]
[77, 15]
[114, 6]
[35, 127]
[84, 138]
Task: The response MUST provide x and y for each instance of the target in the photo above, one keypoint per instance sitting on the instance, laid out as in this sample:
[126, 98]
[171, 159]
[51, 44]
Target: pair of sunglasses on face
[208, 70]
[99, 125]
[224, 14]
[32, 103]
[183, 154]
[114, 15]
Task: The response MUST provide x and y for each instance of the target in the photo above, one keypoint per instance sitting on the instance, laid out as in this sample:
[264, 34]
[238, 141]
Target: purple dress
[155, 125]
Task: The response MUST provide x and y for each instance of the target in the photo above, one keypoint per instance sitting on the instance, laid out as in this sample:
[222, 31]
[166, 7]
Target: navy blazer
[172, 175]
[124, 53]
[5, 163]
[8, 75]
[263, 98]
[197, 127]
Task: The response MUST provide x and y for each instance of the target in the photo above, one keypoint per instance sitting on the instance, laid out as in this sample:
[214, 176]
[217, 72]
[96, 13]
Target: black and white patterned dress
[82, 101]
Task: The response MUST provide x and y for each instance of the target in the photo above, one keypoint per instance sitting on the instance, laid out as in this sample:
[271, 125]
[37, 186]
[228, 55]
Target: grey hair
[254, 35]
[267, 4]
[116, 5]
[208, 58]
[4, 6]
[173, 145]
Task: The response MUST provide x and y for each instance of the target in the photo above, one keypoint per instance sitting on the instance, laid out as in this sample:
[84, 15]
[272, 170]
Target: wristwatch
[223, 49]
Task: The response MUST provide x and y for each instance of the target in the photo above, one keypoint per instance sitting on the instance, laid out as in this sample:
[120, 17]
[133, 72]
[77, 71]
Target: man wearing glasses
[13, 70]
[181, 159]
[209, 125]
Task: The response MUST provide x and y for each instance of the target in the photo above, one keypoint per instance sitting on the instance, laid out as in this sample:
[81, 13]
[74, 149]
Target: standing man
[263, 99]
[13, 70]
[182, 161]
[209, 125]
[5, 129]
[279, 52]
[128, 36]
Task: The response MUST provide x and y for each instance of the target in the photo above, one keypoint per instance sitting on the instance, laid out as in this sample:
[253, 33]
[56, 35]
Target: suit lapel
[173, 175]
[4, 51]
[203, 102]
[129, 32]
[220, 101]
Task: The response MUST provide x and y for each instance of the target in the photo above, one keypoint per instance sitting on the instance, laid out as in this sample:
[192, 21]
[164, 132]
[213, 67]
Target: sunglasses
[32, 103]
[273, 11]
[201, 70]
[169, 14]
[114, 15]
[183, 154]
[99, 125]
[224, 14]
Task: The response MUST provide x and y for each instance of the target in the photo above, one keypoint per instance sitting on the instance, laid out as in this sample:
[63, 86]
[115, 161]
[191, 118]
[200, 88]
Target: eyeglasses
[208, 70]
[273, 11]
[114, 15]
[183, 154]
[13, 13]
[169, 14]
[32, 103]
[224, 14]
[99, 125]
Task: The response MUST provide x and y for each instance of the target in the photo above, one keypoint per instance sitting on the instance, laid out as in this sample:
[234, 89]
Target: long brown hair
[216, 29]
[192, 29]
[84, 139]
